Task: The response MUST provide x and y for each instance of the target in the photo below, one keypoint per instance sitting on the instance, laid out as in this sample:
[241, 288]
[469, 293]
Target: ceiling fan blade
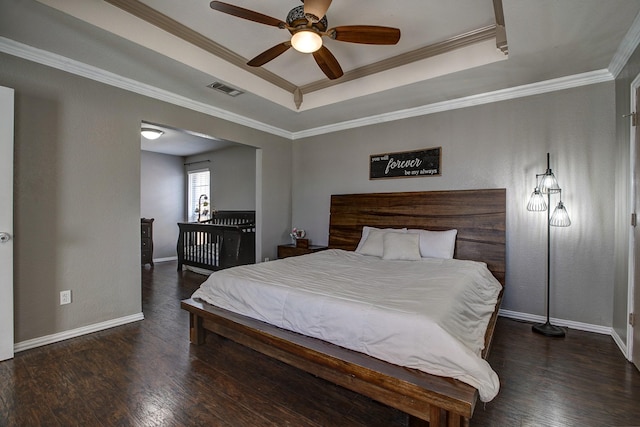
[269, 54]
[365, 34]
[328, 63]
[241, 12]
[316, 9]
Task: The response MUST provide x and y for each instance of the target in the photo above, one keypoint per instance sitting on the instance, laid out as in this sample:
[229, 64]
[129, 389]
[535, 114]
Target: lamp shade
[306, 41]
[560, 217]
[537, 202]
[549, 183]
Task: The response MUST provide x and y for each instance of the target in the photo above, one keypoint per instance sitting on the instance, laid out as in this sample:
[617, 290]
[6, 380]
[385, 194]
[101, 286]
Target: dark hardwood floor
[147, 374]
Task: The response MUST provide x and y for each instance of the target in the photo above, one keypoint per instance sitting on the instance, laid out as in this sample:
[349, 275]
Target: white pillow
[365, 233]
[436, 244]
[374, 243]
[401, 246]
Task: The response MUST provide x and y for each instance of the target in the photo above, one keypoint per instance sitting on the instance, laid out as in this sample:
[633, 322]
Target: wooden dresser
[146, 240]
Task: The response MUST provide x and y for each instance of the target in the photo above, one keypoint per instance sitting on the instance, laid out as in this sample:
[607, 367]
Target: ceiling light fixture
[150, 133]
[306, 41]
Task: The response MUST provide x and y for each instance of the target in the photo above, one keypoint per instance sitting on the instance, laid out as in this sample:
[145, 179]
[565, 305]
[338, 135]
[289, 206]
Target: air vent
[220, 87]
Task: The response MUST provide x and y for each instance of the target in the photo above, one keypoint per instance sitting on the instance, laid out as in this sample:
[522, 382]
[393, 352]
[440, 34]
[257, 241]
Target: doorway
[633, 334]
[235, 176]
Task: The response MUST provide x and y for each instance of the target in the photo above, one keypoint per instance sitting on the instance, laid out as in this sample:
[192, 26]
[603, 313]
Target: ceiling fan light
[150, 133]
[306, 41]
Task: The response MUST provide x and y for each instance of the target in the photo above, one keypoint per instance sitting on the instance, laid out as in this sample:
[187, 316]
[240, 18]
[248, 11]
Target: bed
[226, 240]
[479, 217]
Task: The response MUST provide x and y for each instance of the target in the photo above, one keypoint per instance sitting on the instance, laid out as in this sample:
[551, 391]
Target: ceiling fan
[307, 25]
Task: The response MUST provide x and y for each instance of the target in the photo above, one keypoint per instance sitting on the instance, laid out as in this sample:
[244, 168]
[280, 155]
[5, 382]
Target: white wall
[503, 144]
[162, 190]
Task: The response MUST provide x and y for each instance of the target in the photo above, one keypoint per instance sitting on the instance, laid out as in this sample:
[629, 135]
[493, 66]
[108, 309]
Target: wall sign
[407, 164]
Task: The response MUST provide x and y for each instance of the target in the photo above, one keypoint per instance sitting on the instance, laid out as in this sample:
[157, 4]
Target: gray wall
[77, 193]
[502, 144]
[162, 188]
[233, 176]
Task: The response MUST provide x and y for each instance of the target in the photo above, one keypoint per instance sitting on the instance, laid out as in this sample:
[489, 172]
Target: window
[199, 203]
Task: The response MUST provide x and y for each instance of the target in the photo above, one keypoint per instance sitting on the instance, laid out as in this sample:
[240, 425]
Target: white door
[6, 223]
[635, 346]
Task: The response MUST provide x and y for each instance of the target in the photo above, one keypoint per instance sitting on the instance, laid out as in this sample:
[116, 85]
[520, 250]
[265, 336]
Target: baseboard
[73, 333]
[570, 324]
[621, 345]
[605, 330]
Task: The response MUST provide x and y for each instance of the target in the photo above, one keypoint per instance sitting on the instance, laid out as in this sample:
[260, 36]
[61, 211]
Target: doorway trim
[7, 143]
[635, 84]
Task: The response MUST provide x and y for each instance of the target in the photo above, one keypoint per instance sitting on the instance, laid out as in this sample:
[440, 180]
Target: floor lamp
[546, 184]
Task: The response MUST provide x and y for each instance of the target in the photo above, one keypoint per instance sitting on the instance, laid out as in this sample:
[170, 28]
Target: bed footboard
[426, 398]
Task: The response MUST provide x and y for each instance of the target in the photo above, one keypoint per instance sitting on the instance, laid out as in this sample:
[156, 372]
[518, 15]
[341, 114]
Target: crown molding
[62, 63]
[59, 62]
[150, 15]
[463, 40]
[468, 101]
[627, 47]
[146, 13]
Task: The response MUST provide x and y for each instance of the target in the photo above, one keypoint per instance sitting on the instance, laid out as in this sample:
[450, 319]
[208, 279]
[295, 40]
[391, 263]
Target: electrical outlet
[65, 297]
[266, 259]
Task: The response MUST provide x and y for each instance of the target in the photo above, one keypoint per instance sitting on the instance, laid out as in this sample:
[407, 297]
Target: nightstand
[285, 251]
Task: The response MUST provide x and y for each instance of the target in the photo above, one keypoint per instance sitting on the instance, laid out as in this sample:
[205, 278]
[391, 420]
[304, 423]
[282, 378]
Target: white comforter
[429, 314]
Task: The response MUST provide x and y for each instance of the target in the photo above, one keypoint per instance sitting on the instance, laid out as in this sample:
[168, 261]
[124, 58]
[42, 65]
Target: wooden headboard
[478, 215]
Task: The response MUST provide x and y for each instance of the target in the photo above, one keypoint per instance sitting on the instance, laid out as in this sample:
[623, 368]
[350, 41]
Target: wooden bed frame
[478, 215]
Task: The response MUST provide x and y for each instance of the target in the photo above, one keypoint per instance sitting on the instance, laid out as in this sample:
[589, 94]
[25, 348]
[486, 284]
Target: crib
[226, 240]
